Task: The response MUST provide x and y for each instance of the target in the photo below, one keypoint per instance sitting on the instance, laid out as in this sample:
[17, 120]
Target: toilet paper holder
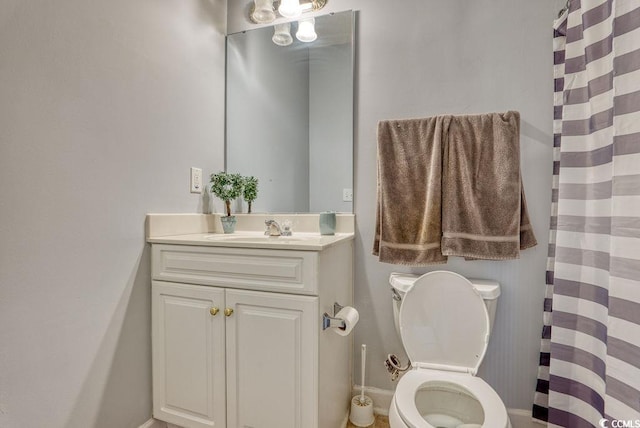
[332, 321]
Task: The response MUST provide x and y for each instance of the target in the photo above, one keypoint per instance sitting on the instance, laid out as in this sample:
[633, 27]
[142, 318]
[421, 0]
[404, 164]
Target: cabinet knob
[214, 311]
[228, 312]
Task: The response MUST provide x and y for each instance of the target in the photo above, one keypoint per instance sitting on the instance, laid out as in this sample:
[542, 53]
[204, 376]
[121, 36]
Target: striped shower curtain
[589, 374]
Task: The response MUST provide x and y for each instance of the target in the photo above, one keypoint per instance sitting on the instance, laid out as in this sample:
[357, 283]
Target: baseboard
[154, 423]
[345, 422]
[521, 418]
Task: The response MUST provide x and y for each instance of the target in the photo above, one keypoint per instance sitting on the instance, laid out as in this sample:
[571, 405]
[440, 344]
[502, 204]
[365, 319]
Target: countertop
[239, 239]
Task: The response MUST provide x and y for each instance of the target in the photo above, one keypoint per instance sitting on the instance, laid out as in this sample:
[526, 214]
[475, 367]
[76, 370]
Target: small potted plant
[227, 187]
[250, 192]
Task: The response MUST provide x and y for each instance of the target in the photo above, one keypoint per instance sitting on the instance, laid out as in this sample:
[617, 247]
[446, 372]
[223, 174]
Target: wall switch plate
[196, 180]
[347, 195]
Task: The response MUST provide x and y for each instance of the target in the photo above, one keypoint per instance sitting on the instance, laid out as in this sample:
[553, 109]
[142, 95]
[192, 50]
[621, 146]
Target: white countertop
[240, 239]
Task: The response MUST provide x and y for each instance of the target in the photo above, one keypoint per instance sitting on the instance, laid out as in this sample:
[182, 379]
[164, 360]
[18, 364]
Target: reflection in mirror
[290, 116]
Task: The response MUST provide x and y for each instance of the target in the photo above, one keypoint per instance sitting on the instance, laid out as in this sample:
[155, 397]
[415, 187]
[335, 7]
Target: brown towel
[450, 185]
[484, 213]
[408, 217]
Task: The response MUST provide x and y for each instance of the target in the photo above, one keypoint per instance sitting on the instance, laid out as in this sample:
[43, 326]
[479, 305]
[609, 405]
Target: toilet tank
[490, 291]
[401, 282]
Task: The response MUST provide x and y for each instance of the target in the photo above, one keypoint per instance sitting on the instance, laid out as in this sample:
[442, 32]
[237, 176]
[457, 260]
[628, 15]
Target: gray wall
[419, 58]
[104, 106]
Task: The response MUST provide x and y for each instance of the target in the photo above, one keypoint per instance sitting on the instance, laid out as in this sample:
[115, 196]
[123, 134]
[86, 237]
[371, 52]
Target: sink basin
[260, 238]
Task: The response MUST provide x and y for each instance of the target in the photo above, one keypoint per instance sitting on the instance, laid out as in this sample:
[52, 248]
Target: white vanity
[237, 325]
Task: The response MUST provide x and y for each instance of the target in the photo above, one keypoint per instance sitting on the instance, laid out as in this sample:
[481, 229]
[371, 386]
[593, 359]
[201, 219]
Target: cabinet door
[188, 355]
[272, 353]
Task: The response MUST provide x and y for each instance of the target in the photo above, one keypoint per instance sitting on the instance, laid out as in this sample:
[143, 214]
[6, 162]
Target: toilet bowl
[444, 321]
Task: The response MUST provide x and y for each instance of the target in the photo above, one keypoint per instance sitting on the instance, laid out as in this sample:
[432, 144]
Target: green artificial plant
[250, 192]
[227, 187]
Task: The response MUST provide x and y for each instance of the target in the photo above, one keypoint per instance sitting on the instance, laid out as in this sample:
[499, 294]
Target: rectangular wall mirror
[289, 116]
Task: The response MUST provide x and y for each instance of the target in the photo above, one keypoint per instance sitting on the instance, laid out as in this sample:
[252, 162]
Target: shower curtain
[589, 374]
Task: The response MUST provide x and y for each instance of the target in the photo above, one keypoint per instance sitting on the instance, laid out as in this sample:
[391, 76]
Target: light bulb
[306, 30]
[282, 34]
[290, 8]
[263, 12]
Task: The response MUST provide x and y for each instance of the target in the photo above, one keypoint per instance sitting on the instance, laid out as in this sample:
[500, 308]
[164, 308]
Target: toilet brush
[362, 406]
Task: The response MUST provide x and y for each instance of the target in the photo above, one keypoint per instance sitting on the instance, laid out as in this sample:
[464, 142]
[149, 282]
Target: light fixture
[282, 34]
[306, 30]
[290, 8]
[264, 11]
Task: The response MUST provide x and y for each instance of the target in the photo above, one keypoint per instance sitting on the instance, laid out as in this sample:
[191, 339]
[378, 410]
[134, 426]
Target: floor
[381, 422]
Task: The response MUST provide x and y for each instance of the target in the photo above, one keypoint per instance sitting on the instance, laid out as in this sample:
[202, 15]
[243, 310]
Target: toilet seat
[495, 413]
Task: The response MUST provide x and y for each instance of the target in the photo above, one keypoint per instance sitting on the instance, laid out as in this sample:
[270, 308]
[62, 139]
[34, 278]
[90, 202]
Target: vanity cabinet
[238, 341]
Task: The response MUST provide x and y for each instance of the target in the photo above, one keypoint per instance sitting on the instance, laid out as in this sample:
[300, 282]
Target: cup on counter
[328, 223]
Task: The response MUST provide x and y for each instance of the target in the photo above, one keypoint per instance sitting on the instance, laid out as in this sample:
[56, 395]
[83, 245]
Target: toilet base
[395, 421]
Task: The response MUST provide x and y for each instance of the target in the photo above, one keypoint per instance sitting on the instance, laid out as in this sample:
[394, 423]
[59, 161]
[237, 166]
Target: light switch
[196, 180]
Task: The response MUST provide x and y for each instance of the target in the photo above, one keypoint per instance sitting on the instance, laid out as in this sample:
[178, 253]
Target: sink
[261, 238]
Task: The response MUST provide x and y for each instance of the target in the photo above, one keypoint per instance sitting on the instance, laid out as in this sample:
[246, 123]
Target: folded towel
[484, 212]
[408, 215]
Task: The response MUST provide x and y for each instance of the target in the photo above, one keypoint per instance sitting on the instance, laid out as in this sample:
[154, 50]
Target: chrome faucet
[274, 229]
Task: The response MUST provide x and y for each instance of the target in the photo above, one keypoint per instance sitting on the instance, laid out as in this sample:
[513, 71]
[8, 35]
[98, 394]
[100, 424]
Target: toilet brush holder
[361, 411]
[362, 406]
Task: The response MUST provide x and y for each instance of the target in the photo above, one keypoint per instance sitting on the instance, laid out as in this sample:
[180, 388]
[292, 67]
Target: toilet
[444, 321]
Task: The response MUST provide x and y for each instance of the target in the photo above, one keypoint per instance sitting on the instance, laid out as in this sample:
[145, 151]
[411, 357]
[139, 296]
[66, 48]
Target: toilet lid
[444, 323]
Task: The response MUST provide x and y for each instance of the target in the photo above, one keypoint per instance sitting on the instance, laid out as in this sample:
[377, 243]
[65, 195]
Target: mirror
[289, 118]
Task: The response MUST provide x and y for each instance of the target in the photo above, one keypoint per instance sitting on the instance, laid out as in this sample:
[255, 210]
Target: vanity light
[290, 8]
[263, 12]
[282, 34]
[306, 30]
